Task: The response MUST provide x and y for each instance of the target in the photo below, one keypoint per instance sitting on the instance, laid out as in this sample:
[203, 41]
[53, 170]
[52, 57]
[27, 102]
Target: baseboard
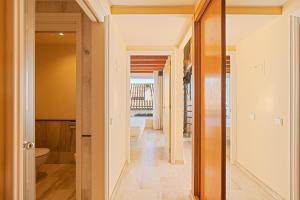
[117, 186]
[264, 186]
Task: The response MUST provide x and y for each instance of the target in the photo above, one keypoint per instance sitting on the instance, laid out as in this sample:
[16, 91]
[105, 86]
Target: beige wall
[98, 125]
[263, 88]
[292, 6]
[56, 81]
[118, 119]
[157, 107]
[179, 96]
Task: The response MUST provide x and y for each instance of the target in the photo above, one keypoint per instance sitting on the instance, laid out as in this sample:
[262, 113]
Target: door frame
[196, 157]
[172, 54]
[295, 106]
[68, 22]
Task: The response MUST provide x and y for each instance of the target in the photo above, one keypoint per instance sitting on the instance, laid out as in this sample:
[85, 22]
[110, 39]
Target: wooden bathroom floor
[56, 181]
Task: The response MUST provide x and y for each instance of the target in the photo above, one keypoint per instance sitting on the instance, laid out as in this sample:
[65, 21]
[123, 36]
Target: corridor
[150, 176]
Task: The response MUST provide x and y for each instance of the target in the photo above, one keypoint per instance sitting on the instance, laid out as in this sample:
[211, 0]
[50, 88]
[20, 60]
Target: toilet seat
[41, 152]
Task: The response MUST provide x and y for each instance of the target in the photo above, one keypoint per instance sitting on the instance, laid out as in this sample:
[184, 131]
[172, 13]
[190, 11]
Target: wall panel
[59, 137]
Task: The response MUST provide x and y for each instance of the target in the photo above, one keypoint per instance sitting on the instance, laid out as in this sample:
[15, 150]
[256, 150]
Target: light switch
[252, 116]
[278, 121]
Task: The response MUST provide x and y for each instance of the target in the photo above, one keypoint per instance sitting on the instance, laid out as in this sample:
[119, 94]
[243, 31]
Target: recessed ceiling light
[61, 34]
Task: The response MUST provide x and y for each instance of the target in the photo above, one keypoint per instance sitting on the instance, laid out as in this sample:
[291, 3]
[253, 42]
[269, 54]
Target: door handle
[28, 145]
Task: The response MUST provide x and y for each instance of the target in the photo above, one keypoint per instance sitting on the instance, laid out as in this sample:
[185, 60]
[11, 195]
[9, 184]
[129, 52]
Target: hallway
[150, 176]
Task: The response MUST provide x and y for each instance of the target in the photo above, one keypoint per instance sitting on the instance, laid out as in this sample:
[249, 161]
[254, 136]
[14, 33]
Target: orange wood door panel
[210, 97]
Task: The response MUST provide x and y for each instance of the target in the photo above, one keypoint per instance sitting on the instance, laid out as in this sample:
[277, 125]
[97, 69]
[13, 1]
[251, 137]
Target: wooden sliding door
[209, 129]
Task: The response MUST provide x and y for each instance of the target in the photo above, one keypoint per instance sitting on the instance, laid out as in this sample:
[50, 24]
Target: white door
[166, 108]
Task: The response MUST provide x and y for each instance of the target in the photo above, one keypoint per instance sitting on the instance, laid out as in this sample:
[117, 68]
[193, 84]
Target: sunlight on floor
[150, 176]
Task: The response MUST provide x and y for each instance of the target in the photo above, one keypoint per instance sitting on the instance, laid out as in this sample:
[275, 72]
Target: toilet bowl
[41, 155]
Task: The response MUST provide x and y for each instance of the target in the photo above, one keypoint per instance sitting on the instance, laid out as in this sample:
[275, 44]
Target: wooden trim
[118, 9]
[197, 185]
[147, 62]
[199, 10]
[142, 72]
[153, 67]
[223, 47]
[242, 10]
[10, 19]
[254, 10]
[58, 120]
[2, 97]
[196, 114]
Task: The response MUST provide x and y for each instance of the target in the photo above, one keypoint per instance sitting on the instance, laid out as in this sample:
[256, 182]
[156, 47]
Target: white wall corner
[96, 10]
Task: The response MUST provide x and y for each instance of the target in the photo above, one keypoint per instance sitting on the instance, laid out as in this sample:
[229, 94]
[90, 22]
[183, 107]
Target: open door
[210, 76]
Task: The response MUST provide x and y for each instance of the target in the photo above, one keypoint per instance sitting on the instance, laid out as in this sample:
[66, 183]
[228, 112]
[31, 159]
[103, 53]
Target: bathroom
[55, 111]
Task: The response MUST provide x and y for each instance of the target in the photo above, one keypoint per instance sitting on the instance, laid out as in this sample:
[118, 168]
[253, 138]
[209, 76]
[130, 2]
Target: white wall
[263, 88]
[118, 119]
[179, 97]
[157, 108]
[292, 7]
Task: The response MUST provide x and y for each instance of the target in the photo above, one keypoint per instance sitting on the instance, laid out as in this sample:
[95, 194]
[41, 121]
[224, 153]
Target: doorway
[55, 113]
[51, 107]
[150, 99]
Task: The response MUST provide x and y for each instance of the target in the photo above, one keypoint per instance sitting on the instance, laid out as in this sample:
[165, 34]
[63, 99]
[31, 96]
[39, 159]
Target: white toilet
[41, 155]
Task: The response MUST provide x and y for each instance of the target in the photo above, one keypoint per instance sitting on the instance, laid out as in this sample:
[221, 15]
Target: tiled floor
[56, 182]
[240, 187]
[150, 177]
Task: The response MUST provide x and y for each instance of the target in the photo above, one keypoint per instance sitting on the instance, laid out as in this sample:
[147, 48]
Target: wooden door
[210, 76]
[27, 82]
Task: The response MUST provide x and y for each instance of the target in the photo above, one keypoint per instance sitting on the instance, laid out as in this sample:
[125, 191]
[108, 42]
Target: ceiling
[146, 63]
[239, 26]
[255, 2]
[152, 30]
[55, 38]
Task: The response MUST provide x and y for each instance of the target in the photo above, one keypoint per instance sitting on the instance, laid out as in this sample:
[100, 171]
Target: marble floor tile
[151, 176]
